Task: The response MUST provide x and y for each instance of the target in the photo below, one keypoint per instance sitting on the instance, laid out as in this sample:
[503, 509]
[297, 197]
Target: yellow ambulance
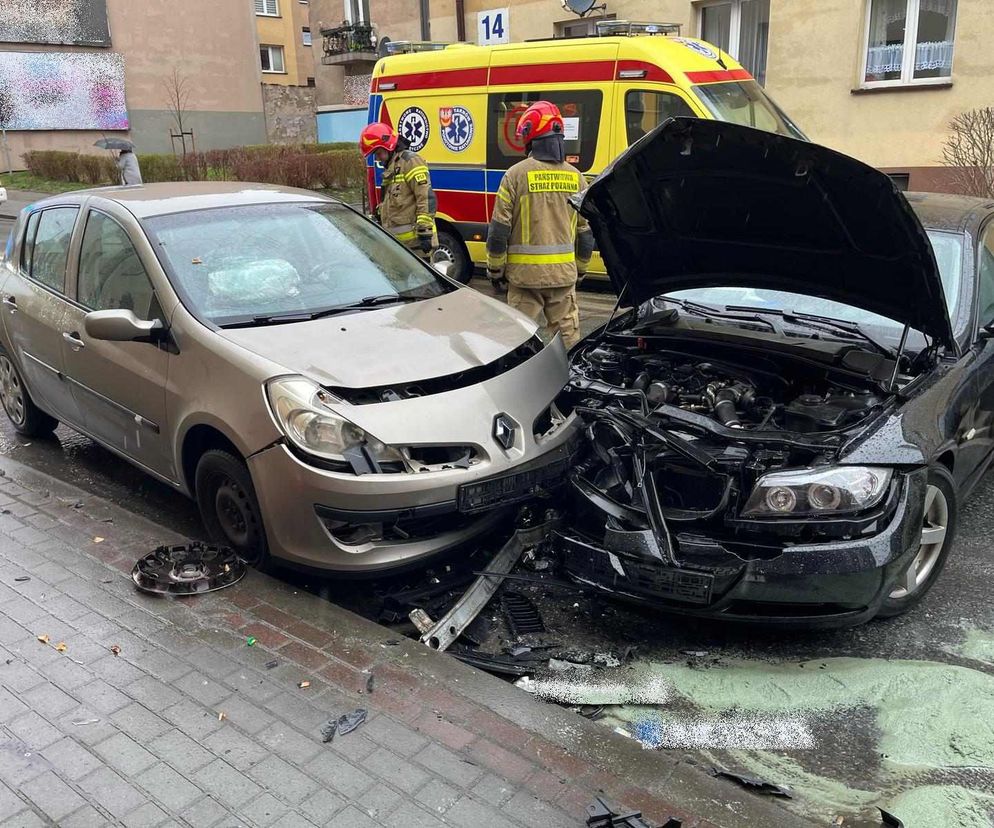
[458, 105]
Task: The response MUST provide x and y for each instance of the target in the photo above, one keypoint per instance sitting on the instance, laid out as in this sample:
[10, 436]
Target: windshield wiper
[698, 309]
[307, 316]
[385, 299]
[813, 321]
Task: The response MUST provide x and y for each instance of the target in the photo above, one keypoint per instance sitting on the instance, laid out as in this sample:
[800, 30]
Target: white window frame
[276, 9]
[273, 48]
[910, 52]
[734, 26]
[306, 37]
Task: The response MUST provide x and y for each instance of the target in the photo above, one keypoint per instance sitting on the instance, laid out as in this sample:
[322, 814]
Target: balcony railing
[350, 42]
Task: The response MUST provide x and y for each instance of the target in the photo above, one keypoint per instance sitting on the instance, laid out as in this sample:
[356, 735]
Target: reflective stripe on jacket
[535, 235]
[408, 208]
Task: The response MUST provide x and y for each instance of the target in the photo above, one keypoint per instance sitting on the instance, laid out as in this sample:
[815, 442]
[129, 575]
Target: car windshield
[257, 263]
[747, 104]
[948, 249]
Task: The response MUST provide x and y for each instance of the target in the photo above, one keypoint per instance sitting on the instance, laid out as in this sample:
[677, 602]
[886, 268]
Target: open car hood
[699, 203]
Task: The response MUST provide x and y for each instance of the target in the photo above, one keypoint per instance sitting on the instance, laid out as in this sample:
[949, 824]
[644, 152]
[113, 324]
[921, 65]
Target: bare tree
[969, 152]
[177, 90]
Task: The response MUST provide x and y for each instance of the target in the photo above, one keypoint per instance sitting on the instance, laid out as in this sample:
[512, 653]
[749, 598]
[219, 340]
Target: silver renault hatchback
[326, 397]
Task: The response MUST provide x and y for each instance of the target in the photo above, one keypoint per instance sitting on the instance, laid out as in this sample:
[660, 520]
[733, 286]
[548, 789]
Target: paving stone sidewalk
[88, 737]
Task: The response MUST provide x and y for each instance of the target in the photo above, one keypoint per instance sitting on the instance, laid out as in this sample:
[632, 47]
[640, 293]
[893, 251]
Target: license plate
[511, 488]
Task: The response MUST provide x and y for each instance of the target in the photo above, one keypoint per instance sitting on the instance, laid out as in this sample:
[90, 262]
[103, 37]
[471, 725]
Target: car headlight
[302, 411]
[835, 490]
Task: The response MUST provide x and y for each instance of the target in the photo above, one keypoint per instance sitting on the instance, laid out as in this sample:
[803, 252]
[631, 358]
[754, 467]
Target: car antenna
[900, 354]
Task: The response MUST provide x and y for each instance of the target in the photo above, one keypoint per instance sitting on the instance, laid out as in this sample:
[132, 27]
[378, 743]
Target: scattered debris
[577, 687]
[345, 723]
[696, 653]
[521, 614]
[392, 642]
[187, 569]
[98, 539]
[591, 711]
[369, 683]
[115, 649]
[270, 665]
[560, 665]
[602, 814]
[43, 638]
[83, 722]
[501, 665]
[421, 620]
[61, 647]
[21, 578]
[107, 581]
[303, 685]
[251, 641]
[754, 783]
[451, 625]
[606, 660]
[222, 716]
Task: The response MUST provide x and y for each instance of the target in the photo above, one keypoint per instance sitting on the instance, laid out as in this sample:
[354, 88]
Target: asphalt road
[895, 713]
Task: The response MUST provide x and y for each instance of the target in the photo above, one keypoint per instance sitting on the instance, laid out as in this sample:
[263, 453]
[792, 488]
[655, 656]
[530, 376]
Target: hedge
[309, 166]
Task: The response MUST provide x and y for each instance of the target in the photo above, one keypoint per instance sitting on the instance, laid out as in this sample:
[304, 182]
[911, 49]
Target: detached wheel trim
[935, 526]
[12, 392]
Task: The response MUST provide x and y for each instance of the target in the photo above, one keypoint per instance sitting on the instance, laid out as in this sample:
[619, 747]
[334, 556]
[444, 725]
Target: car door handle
[74, 341]
[11, 303]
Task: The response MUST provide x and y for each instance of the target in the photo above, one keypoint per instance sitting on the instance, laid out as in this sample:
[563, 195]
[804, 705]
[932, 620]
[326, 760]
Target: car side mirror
[121, 326]
[445, 268]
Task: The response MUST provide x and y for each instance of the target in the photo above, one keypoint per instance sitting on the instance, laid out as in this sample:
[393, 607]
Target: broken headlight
[835, 490]
[302, 411]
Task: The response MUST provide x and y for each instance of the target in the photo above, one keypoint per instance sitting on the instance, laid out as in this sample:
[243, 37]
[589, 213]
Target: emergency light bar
[406, 47]
[612, 28]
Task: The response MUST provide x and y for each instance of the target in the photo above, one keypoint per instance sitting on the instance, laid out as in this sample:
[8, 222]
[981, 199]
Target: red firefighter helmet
[377, 135]
[541, 118]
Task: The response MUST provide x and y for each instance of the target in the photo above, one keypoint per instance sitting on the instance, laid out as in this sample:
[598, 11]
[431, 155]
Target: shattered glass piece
[188, 569]
[241, 285]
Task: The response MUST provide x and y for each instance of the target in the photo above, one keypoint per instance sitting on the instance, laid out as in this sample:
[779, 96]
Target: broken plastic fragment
[369, 683]
[81, 722]
[303, 685]
[115, 649]
[98, 539]
[272, 664]
[43, 638]
[23, 578]
[345, 723]
[61, 647]
[754, 783]
[250, 641]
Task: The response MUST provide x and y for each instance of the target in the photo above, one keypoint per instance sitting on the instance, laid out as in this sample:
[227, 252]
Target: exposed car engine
[759, 397]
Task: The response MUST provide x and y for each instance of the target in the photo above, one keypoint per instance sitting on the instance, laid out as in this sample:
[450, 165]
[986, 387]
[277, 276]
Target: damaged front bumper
[827, 583]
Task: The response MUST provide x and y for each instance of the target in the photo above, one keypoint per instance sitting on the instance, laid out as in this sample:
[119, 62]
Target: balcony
[349, 43]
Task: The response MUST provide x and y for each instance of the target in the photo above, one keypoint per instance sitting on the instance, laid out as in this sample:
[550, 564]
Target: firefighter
[407, 201]
[537, 243]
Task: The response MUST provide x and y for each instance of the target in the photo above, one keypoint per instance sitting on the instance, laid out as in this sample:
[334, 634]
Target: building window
[909, 41]
[311, 82]
[272, 59]
[306, 36]
[580, 28]
[356, 11]
[741, 28]
[901, 180]
[267, 8]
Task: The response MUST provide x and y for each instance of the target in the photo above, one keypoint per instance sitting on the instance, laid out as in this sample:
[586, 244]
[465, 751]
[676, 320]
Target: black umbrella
[114, 144]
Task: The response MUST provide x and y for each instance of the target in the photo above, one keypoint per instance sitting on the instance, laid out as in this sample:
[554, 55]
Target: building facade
[286, 61]
[73, 71]
[877, 79]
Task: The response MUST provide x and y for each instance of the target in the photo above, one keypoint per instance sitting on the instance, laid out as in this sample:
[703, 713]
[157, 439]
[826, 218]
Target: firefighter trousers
[558, 303]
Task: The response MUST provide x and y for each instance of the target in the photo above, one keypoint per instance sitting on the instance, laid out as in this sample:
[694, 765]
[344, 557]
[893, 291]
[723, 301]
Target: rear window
[747, 104]
[581, 118]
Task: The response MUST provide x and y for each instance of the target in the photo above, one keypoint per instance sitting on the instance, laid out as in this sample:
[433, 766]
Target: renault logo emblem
[504, 428]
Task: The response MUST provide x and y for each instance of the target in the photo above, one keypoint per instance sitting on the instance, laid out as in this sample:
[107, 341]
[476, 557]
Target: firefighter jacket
[536, 237]
[408, 207]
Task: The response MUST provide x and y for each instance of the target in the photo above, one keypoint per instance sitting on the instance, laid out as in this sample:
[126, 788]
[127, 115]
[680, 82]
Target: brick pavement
[92, 738]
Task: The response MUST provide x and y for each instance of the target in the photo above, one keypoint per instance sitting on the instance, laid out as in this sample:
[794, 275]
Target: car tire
[229, 507]
[452, 249]
[26, 417]
[939, 523]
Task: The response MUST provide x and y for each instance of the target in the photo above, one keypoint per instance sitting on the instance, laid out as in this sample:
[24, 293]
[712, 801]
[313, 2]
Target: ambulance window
[581, 116]
[645, 110]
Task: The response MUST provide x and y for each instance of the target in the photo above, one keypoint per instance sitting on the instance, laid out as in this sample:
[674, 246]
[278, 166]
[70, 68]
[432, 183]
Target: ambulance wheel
[451, 249]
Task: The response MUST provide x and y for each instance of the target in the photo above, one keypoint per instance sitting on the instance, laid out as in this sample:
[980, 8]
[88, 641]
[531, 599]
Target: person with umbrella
[127, 161]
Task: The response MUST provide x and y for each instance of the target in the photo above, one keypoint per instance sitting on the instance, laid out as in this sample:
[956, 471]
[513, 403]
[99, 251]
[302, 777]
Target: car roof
[952, 213]
[148, 200]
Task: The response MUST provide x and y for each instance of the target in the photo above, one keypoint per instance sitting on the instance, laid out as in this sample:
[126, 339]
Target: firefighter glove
[424, 242]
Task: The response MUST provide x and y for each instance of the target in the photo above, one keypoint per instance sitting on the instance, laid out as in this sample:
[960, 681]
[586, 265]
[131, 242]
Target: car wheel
[938, 531]
[27, 419]
[451, 249]
[229, 508]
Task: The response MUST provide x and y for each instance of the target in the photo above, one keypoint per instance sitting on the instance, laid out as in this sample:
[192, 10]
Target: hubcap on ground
[11, 393]
[933, 539]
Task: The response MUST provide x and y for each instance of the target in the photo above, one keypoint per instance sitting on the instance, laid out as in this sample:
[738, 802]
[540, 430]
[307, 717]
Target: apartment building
[878, 79]
[286, 63]
[73, 71]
